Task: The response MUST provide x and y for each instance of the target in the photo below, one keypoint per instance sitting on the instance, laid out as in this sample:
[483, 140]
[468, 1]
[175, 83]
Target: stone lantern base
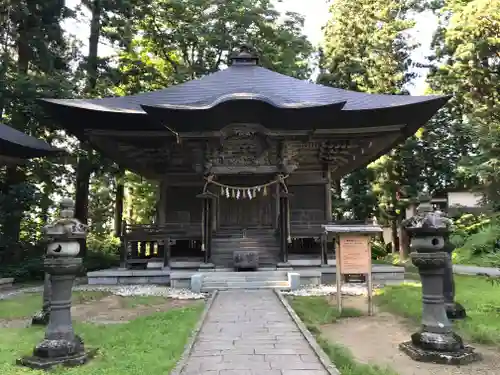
[463, 356]
[46, 363]
[60, 346]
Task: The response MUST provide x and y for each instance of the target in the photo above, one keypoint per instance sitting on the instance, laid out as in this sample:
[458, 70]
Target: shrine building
[245, 158]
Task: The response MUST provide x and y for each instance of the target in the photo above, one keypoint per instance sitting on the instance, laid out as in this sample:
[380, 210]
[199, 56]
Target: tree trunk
[394, 233]
[14, 175]
[120, 194]
[404, 245]
[12, 224]
[85, 168]
[83, 172]
[92, 59]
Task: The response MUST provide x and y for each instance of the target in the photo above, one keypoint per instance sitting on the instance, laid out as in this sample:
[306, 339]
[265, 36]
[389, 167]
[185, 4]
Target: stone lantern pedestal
[61, 346]
[435, 341]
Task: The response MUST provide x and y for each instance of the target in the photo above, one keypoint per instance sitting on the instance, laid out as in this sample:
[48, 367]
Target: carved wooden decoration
[241, 146]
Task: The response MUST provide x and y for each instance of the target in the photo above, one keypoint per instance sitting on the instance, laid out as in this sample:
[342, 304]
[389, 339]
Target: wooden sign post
[354, 256]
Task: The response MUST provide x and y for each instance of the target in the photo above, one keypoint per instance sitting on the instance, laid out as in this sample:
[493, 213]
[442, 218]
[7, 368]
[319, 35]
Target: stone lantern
[61, 346]
[435, 342]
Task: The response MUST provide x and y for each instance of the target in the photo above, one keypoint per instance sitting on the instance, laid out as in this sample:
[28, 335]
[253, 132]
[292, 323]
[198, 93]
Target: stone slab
[196, 283]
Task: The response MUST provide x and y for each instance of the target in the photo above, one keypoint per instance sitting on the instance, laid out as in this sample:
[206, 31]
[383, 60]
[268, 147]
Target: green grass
[480, 298]
[25, 305]
[146, 346]
[136, 301]
[316, 311]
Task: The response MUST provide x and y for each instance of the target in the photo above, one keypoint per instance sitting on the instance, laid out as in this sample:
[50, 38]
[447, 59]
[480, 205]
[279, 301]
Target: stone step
[263, 274]
[246, 285]
[242, 279]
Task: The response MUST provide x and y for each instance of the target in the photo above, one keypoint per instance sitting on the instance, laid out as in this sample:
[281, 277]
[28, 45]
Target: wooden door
[244, 213]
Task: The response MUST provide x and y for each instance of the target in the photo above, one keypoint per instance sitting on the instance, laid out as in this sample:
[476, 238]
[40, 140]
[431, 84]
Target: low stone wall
[124, 277]
[309, 276]
[6, 282]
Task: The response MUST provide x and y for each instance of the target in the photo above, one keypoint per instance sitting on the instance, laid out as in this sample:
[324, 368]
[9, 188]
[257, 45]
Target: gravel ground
[120, 290]
[348, 289]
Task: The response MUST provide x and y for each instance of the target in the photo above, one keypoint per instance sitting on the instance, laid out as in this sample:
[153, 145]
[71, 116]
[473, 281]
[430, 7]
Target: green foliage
[467, 225]
[360, 198]
[102, 253]
[365, 47]
[379, 250]
[466, 64]
[481, 248]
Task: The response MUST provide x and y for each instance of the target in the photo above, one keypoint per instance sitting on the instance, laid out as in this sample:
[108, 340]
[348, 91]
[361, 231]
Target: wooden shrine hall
[245, 158]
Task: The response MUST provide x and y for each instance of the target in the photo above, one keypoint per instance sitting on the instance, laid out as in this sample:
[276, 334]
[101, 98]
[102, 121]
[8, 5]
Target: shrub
[468, 225]
[101, 253]
[379, 250]
[481, 248]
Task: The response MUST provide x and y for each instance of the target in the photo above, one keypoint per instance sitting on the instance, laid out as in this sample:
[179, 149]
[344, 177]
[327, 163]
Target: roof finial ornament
[244, 56]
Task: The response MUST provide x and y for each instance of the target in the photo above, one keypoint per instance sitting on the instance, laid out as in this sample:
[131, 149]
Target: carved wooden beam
[218, 134]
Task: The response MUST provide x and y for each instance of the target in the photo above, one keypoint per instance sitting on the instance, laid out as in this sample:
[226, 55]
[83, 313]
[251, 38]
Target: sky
[316, 15]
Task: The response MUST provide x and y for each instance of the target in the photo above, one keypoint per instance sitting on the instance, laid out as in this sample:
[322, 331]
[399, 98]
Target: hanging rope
[242, 192]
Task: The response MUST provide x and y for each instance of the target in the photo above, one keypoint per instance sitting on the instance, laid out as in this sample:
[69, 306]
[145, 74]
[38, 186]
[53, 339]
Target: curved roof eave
[18, 144]
[105, 105]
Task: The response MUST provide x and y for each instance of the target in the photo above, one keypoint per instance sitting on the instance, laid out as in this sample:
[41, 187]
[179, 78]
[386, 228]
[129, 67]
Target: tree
[195, 37]
[35, 62]
[366, 49]
[467, 63]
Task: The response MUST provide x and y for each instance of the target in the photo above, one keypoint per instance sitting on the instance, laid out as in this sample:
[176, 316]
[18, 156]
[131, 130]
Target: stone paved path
[249, 332]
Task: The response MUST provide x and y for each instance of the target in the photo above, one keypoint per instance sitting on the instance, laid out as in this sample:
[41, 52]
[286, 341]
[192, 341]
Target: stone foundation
[462, 357]
[181, 278]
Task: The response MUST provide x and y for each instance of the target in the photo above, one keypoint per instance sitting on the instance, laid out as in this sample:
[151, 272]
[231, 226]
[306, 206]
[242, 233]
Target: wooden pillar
[207, 224]
[324, 249]
[166, 252]
[119, 198]
[210, 227]
[277, 206]
[328, 195]
[124, 249]
[284, 225]
[162, 203]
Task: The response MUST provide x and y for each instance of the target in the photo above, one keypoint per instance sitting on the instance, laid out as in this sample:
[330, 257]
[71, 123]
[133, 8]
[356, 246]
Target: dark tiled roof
[14, 143]
[249, 82]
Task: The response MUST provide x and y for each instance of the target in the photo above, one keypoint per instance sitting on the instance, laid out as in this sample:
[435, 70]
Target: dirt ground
[111, 310]
[375, 340]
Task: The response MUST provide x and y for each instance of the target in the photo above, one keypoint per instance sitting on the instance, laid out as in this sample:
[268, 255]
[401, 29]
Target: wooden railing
[144, 242]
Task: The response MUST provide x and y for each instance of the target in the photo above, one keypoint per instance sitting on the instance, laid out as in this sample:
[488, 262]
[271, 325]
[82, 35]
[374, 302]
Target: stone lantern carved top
[67, 227]
[427, 220]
